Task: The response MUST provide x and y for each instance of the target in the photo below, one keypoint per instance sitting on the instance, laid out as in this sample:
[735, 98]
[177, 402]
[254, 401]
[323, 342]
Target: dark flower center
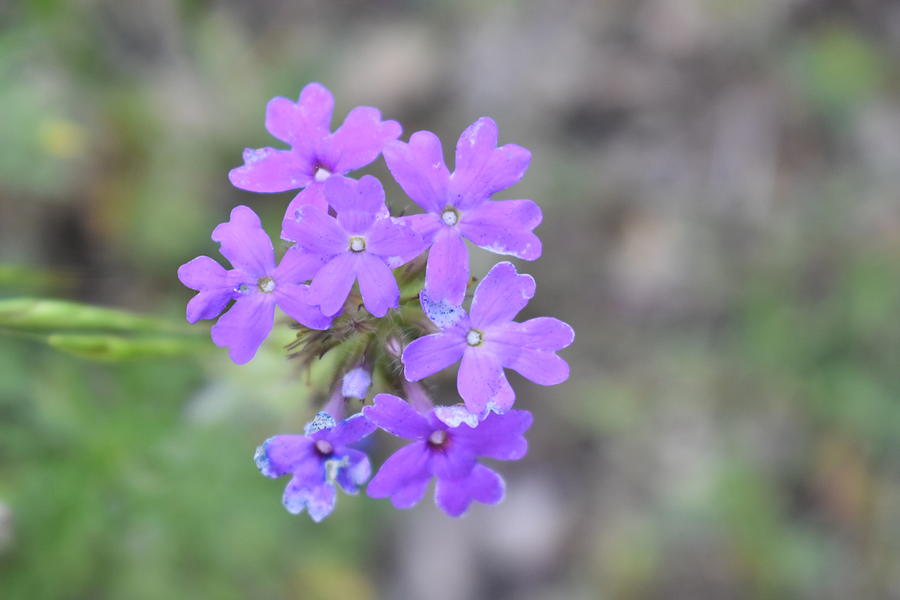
[324, 447]
[438, 438]
[266, 285]
[474, 337]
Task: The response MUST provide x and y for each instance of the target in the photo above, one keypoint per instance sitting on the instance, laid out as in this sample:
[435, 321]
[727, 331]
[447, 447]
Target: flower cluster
[386, 293]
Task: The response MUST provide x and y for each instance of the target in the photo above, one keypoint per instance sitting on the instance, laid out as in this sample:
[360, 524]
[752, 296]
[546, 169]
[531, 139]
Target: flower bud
[394, 347]
[356, 383]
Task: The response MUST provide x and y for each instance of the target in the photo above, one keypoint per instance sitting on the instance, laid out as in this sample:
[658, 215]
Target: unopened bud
[356, 383]
[394, 347]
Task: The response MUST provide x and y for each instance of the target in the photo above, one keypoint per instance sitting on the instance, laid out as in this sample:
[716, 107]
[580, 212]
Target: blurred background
[719, 181]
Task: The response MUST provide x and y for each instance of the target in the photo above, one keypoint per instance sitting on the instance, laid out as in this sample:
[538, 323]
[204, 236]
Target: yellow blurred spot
[326, 579]
[60, 138]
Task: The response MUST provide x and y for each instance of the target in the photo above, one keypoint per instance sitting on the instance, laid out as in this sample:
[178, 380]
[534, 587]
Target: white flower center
[357, 244]
[450, 217]
[324, 447]
[474, 337]
[438, 437]
[266, 285]
[321, 174]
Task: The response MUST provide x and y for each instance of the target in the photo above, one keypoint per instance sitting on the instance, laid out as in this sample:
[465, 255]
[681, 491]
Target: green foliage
[837, 69]
[117, 480]
[84, 330]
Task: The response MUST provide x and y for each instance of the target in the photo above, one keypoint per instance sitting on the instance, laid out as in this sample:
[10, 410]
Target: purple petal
[456, 415]
[268, 170]
[322, 420]
[318, 500]
[475, 145]
[355, 472]
[397, 417]
[346, 194]
[481, 168]
[498, 436]
[356, 222]
[207, 304]
[504, 227]
[542, 333]
[500, 296]
[432, 353]
[283, 454]
[453, 461]
[244, 243]
[543, 368]
[305, 489]
[350, 430]
[453, 496]
[394, 240]
[331, 285]
[312, 195]
[442, 313]
[302, 123]
[377, 285]
[244, 327]
[481, 382]
[447, 271]
[403, 476]
[203, 273]
[529, 348]
[293, 299]
[361, 138]
[426, 225]
[297, 266]
[315, 232]
[411, 493]
[317, 103]
[420, 170]
[216, 288]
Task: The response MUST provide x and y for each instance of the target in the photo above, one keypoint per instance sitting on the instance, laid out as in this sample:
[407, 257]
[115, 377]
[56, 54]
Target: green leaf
[28, 279]
[108, 347]
[35, 314]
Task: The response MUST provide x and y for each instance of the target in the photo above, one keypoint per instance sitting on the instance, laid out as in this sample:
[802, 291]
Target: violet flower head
[446, 449]
[316, 461]
[487, 340]
[457, 205]
[315, 152]
[255, 284]
[363, 243]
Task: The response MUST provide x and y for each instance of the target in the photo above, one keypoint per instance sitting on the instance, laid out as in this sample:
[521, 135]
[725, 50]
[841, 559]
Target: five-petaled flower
[487, 340]
[458, 204]
[317, 460]
[255, 284]
[448, 452]
[363, 243]
[316, 154]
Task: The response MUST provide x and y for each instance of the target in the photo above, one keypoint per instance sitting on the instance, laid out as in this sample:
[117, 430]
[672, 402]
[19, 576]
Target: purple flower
[255, 284]
[316, 154]
[487, 340]
[457, 204]
[363, 243]
[317, 460]
[445, 451]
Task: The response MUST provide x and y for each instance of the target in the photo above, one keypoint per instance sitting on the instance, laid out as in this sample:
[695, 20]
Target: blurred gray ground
[719, 181]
